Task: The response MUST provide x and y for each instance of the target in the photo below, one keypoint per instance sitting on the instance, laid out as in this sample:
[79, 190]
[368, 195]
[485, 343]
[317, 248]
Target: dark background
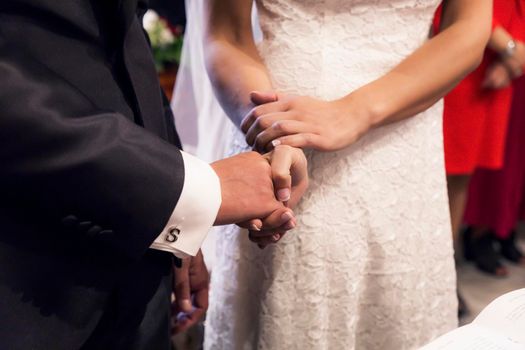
[172, 10]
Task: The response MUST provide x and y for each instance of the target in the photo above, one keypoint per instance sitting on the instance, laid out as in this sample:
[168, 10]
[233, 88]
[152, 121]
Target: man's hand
[271, 229]
[246, 187]
[190, 286]
[290, 180]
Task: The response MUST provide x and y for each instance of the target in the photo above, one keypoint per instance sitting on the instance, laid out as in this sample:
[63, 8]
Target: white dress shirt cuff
[195, 211]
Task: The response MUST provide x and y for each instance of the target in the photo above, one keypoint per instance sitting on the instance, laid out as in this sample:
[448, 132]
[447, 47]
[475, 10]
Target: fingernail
[254, 227]
[276, 143]
[287, 216]
[276, 237]
[290, 225]
[186, 305]
[283, 194]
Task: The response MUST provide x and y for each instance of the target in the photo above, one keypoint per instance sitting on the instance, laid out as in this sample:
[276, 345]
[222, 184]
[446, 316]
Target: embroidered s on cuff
[195, 211]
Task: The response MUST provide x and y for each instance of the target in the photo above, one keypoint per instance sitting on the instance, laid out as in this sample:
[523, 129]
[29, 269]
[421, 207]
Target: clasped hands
[502, 72]
[303, 122]
[265, 187]
[259, 191]
[281, 125]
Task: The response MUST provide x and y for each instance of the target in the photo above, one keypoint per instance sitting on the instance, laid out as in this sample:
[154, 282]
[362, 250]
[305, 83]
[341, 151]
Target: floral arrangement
[166, 42]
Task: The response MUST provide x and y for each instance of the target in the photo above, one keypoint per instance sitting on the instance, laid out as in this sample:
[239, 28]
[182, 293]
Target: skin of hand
[289, 165]
[419, 81]
[290, 180]
[290, 177]
[295, 121]
[190, 287]
[246, 187]
[286, 169]
[273, 228]
[230, 52]
[516, 62]
[499, 39]
[497, 76]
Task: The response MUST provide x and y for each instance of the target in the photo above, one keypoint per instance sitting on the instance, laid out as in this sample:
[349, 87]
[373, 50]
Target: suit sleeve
[63, 157]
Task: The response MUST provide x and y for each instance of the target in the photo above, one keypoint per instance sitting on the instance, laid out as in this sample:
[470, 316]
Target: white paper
[473, 337]
[506, 315]
[500, 326]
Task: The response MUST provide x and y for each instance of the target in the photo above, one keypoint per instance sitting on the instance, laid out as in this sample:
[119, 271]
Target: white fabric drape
[201, 122]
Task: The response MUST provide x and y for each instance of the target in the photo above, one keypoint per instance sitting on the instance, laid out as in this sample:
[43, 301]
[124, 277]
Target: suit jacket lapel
[127, 11]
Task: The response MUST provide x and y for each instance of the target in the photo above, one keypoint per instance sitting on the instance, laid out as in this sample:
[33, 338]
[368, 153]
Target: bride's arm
[233, 63]
[409, 88]
[434, 69]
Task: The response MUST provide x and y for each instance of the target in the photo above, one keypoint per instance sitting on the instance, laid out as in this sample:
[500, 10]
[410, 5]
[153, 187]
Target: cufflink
[173, 235]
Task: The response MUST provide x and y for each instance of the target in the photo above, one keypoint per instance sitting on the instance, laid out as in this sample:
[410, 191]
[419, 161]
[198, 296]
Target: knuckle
[297, 115]
[307, 139]
[280, 126]
[283, 179]
[280, 174]
[261, 123]
[259, 140]
[287, 104]
[290, 102]
[256, 112]
[277, 126]
[248, 119]
[263, 167]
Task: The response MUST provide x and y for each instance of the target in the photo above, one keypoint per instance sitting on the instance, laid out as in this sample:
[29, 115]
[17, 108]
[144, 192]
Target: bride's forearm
[233, 63]
[234, 73]
[431, 71]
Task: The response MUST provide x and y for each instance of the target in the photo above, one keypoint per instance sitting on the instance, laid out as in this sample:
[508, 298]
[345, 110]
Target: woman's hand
[303, 122]
[516, 62]
[497, 76]
[290, 178]
[289, 173]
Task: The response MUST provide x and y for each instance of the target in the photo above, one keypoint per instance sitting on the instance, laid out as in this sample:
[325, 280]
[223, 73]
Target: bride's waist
[336, 52]
[328, 72]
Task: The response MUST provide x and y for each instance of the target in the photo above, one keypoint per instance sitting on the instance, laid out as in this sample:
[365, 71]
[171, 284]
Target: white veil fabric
[202, 125]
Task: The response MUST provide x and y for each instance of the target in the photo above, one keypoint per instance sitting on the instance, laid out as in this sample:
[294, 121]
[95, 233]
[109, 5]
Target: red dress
[476, 119]
[496, 198]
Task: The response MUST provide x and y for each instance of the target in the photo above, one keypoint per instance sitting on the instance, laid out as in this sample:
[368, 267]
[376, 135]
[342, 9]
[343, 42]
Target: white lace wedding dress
[370, 265]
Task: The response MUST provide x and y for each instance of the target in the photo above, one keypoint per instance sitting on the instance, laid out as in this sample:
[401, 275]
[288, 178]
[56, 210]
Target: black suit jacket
[89, 175]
